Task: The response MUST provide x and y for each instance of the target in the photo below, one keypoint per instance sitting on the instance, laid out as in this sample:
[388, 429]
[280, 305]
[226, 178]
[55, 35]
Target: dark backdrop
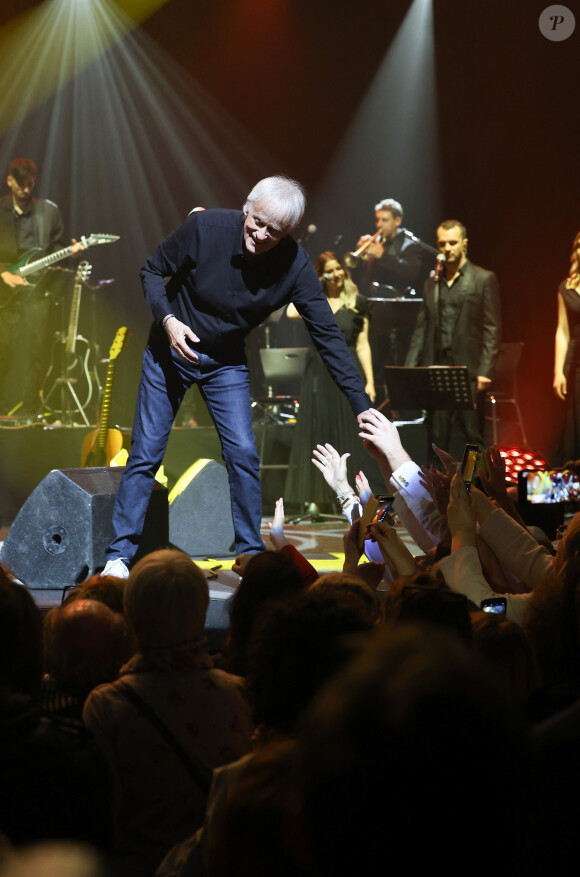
[294, 73]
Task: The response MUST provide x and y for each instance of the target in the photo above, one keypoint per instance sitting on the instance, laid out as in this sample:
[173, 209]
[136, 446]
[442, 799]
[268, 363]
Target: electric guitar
[24, 267]
[101, 445]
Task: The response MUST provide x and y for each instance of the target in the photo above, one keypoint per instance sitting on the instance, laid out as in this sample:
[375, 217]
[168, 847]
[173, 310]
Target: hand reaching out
[492, 476]
[332, 465]
[437, 485]
[460, 514]
[449, 462]
[382, 441]
[397, 556]
[370, 573]
[363, 488]
[239, 564]
[276, 526]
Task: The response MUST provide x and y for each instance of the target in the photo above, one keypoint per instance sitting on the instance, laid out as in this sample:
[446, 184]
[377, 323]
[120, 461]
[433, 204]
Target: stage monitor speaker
[200, 514]
[60, 534]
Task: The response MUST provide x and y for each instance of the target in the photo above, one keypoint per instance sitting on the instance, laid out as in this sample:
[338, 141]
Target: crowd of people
[375, 717]
[376, 713]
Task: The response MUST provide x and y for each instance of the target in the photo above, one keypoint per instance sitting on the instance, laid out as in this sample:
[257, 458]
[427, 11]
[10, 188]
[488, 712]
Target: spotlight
[518, 459]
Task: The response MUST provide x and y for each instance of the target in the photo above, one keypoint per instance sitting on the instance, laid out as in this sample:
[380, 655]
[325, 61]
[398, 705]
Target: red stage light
[519, 459]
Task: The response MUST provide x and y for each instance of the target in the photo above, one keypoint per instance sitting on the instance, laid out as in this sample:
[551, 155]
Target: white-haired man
[228, 270]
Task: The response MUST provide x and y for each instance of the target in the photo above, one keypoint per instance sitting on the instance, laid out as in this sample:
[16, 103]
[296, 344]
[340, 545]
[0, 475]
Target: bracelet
[348, 498]
[344, 493]
[164, 320]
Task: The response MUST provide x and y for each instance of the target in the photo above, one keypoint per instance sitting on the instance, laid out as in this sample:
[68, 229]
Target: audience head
[268, 576]
[355, 589]
[502, 644]
[105, 589]
[253, 837]
[20, 639]
[552, 619]
[407, 751]
[85, 645]
[296, 646]
[427, 599]
[55, 859]
[166, 600]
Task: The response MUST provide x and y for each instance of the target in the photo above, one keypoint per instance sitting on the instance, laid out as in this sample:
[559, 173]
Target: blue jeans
[226, 390]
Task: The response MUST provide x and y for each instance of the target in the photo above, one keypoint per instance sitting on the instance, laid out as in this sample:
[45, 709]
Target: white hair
[392, 205]
[285, 201]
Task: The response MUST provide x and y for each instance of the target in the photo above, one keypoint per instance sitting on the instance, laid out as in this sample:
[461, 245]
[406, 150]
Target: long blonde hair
[573, 278]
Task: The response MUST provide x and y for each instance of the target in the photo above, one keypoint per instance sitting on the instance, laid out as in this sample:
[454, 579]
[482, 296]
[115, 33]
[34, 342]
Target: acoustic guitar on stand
[103, 444]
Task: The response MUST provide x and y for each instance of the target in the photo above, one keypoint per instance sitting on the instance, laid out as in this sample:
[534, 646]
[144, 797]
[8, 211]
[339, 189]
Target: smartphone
[496, 605]
[548, 486]
[385, 504]
[367, 517]
[469, 464]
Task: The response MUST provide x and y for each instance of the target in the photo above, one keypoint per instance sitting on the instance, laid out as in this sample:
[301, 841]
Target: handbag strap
[196, 771]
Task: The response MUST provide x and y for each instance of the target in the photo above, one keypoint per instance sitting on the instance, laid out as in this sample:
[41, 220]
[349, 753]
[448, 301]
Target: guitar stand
[64, 384]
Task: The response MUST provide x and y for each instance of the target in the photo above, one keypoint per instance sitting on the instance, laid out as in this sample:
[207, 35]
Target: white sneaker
[116, 567]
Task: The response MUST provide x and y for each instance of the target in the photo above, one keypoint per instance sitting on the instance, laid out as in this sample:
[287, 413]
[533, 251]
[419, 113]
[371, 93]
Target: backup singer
[459, 323]
[324, 415]
[567, 354]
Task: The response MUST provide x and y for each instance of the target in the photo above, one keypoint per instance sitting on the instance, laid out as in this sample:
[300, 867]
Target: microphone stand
[416, 240]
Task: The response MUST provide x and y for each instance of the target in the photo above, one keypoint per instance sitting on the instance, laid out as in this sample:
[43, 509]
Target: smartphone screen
[468, 466]
[497, 605]
[549, 486]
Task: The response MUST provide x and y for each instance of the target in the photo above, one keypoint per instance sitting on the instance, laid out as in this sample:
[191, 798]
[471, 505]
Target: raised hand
[460, 514]
[332, 465]
[397, 556]
[276, 526]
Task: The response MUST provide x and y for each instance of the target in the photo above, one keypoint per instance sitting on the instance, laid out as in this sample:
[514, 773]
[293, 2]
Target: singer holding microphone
[323, 416]
[459, 323]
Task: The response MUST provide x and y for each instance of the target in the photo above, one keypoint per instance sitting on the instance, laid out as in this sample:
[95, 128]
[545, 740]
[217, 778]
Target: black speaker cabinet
[60, 534]
[200, 514]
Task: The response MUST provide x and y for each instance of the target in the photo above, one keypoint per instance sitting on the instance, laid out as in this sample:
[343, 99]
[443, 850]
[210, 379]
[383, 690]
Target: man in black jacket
[459, 324]
[392, 259]
[226, 272]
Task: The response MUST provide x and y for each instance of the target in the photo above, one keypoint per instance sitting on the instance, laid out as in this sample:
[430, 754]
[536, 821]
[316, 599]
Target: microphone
[310, 230]
[337, 240]
[327, 276]
[438, 267]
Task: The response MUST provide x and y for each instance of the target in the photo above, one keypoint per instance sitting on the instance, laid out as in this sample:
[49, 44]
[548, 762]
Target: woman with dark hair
[567, 354]
[325, 415]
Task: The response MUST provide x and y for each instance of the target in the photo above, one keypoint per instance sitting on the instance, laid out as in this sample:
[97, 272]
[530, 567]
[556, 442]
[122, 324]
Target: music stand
[429, 388]
[281, 364]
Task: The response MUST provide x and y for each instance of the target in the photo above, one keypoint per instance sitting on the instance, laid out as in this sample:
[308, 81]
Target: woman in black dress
[567, 354]
[325, 415]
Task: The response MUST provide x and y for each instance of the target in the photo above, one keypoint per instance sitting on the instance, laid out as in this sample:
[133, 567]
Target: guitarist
[25, 222]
